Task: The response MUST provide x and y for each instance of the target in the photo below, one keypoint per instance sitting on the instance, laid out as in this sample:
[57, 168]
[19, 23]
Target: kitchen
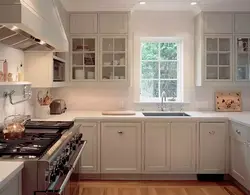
[165, 84]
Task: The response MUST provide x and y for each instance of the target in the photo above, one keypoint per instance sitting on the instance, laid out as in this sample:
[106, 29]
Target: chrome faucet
[163, 98]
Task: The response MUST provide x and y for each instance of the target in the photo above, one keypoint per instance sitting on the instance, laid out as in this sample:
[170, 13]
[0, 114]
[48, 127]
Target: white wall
[146, 24]
[14, 58]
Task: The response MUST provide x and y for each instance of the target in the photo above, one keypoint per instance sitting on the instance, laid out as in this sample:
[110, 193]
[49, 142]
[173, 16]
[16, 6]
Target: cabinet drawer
[238, 131]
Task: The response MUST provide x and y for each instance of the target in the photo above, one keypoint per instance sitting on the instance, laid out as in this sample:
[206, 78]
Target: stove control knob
[53, 177]
[74, 147]
[65, 170]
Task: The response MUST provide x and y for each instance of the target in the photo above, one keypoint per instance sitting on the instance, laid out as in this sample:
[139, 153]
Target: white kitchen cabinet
[13, 187]
[241, 21]
[120, 147]
[248, 164]
[212, 150]
[113, 23]
[183, 147]
[239, 160]
[156, 147]
[90, 161]
[83, 23]
[218, 23]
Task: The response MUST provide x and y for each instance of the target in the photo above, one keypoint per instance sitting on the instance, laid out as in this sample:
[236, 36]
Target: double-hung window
[161, 65]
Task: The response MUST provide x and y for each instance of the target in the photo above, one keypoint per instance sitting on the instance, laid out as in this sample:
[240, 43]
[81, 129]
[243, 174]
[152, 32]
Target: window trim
[180, 42]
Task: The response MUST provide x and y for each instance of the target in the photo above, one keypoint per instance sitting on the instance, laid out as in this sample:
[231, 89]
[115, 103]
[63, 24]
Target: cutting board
[118, 113]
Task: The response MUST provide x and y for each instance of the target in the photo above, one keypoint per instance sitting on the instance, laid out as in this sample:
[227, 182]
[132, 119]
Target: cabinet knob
[238, 132]
[120, 132]
[211, 132]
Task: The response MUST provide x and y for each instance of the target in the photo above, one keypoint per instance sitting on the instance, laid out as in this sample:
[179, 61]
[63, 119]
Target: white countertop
[239, 117]
[9, 170]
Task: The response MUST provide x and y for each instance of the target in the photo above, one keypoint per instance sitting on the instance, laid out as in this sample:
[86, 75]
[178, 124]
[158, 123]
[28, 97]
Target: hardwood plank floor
[157, 188]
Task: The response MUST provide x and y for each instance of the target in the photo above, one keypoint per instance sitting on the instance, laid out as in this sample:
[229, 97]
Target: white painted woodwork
[241, 21]
[13, 187]
[156, 147]
[113, 23]
[248, 165]
[38, 70]
[120, 147]
[212, 148]
[90, 162]
[83, 23]
[183, 147]
[239, 160]
[216, 23]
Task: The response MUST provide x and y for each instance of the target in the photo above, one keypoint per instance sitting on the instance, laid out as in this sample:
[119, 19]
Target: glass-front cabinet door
[218, 58]
[113, 58]
[84, 58]
[242, 58]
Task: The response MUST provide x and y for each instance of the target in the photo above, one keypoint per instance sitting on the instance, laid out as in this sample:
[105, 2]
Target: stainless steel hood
[17, 38]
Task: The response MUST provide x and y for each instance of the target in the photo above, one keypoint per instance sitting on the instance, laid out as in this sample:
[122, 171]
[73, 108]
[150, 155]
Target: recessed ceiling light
[42, 42]
[142, 2]
[193, 3]
[14, 28]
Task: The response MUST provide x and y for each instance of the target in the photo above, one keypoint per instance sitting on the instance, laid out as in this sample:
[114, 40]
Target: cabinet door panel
[218, 23]
[212, 148]
[90, 155]
[83, 23]
[157, 147]
[113, 23]
[241, 23]
[239, 160]
[183, 144]
[120, 147]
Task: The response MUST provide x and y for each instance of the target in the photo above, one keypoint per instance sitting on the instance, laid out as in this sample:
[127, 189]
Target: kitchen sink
[165, 114]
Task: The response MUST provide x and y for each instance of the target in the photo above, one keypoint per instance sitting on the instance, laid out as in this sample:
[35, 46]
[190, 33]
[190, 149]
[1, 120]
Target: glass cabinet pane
[119, 59]
[224, 59]
[89, 59]
[212, 59]
[212, 44]
[242, 59]
[243, 73]
[120, 44]
[212, 72]
[77, 44]
[224, 73]
[119, 73]
[108, 44]
[77, 58]
[107, 73]
[89, 45]
[224, 44]
[107, 59]
[89, 73]
[78, 73]
[242, 45]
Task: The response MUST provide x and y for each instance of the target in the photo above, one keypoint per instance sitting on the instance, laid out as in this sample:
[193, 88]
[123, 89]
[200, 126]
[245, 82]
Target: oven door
[69, 183]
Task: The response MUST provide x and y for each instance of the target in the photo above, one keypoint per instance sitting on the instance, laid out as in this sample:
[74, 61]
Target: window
[160, 69]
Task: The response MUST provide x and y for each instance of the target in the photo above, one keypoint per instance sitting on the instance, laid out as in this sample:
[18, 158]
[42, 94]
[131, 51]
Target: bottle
[5, 70]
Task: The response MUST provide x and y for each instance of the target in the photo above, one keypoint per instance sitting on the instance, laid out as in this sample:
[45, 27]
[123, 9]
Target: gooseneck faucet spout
[163, 98]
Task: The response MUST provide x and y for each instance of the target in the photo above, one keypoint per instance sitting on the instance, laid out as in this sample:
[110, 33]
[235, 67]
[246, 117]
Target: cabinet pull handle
[120, 132]
[238, 132]
[211, 132]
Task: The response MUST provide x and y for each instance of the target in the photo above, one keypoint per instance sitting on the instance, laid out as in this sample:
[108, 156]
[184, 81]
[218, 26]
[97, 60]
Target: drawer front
[240, 132]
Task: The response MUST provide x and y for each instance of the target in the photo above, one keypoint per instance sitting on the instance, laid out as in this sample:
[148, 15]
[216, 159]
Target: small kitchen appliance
[57, 106]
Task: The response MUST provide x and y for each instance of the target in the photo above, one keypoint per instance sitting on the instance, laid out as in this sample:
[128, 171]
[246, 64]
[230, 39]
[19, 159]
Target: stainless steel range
[51, 157]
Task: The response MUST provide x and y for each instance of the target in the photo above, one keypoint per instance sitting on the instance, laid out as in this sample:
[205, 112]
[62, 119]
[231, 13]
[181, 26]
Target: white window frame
[179, 42]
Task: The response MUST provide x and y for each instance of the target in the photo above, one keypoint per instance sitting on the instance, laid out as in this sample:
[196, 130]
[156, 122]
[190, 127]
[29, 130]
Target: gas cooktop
[60, 125]
[30, 145]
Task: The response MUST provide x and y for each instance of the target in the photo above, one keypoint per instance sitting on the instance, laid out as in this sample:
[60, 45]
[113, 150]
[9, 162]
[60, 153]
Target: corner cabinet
[123, 153]
[84, 58]
[13, 187]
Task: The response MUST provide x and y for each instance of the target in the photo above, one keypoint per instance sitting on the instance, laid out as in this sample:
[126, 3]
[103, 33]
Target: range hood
[32, 25]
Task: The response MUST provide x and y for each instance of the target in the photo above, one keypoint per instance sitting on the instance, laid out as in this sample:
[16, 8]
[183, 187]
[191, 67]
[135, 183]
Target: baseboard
[241, 187]
[138, 177]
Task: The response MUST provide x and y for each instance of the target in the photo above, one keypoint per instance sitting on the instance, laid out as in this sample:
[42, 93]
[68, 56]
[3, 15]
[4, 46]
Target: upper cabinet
[113, 23]
[221, 47]
[241, 25]
[83, 23]
[216, 23]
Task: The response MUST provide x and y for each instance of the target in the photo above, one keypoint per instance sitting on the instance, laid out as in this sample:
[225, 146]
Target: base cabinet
[90, 162]
[183, 147]
[157, 147]
[212, 148]
[13, 187]
[120, 147]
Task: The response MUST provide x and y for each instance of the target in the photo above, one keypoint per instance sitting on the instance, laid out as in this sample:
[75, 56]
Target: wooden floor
[158, 188]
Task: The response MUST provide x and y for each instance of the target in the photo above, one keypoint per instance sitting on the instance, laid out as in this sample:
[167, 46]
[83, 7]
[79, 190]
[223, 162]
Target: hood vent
[17, 38]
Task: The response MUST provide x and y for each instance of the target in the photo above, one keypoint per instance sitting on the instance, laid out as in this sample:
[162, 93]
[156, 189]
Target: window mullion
[159, 72]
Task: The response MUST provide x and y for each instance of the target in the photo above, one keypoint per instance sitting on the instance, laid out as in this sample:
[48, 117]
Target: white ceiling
[169, 5]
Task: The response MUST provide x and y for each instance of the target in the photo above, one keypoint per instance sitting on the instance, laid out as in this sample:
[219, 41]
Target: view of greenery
[159, 69]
